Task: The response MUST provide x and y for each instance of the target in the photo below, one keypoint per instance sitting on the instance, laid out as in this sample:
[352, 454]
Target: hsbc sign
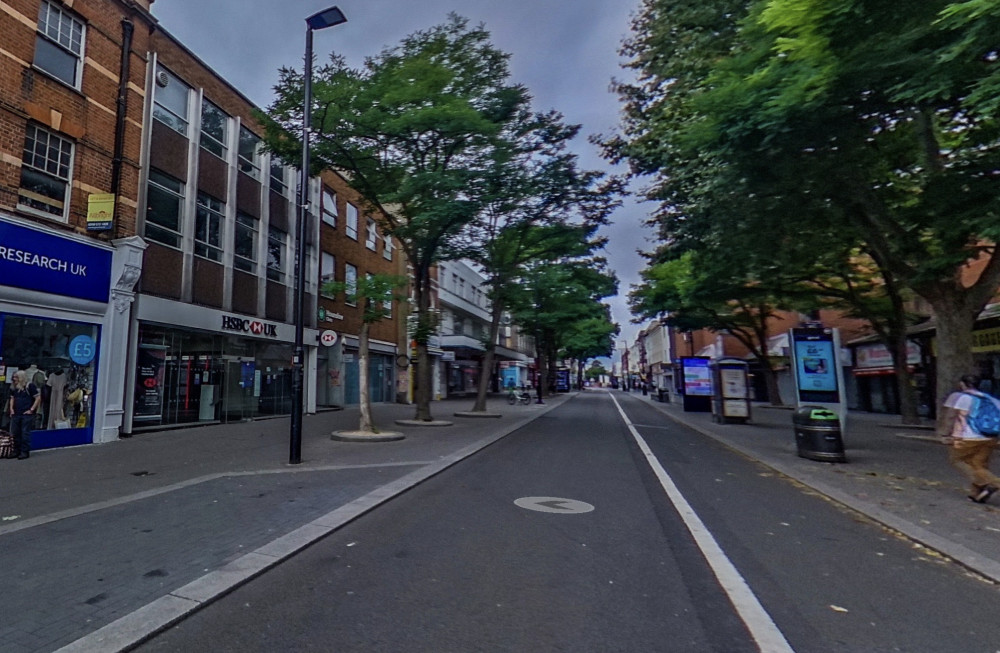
[253, 327]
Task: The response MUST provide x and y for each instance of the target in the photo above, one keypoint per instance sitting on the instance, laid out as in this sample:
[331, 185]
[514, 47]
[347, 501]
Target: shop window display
[60, 358]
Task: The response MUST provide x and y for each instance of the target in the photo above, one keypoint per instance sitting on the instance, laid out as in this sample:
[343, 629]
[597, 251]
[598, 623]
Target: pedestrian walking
[23, 406]
[971, 448]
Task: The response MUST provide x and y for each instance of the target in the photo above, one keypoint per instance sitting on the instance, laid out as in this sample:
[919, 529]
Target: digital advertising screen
[697, 377]
[815, 366]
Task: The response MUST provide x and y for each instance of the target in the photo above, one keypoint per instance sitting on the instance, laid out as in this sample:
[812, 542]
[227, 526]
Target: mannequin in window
[37, 377]
[57, 397]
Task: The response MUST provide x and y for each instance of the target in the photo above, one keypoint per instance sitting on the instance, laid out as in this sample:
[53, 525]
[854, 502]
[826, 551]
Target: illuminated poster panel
[815, 366]
[697, 377]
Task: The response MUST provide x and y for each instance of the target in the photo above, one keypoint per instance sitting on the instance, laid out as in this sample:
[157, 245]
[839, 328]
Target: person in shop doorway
[970, 451]
[23, 406]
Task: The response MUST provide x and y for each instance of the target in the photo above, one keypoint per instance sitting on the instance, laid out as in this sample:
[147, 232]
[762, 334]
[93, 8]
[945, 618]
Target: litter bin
[817, 434]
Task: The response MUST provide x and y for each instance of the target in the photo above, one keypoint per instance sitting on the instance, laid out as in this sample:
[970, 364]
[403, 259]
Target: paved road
[456, 565]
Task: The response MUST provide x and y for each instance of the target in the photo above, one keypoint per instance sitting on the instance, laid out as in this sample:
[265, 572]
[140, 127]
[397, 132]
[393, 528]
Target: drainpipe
[120, 114]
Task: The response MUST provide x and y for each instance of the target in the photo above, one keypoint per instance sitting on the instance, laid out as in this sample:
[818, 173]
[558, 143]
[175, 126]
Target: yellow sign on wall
[100, 211]
[986, 340]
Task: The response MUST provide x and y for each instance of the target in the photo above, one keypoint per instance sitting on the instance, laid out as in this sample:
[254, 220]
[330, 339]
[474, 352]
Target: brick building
[71, 102]
[147, 242]
[214, 319]
[353, 245]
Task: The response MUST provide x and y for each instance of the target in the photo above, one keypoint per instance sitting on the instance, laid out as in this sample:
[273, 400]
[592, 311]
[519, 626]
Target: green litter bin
[817, 434]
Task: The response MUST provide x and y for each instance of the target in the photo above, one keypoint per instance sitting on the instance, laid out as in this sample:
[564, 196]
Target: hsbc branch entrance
[185, 372]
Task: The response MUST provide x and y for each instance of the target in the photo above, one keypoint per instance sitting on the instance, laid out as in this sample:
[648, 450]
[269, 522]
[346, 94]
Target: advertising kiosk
[821, 412]
[697, 388]
[731, 400]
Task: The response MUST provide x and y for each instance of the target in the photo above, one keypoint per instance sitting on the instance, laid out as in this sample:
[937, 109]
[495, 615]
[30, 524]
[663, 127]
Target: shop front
[986, 355]
[877, 389]
[200, 365]
[60, 314]
[338, 378]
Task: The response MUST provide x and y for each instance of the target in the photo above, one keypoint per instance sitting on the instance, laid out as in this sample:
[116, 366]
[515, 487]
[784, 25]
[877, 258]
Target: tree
[552, 297]
[540, 207]
[875, 117]
[694, 291]
[375, 293]
[588, 338]
[414, 130]
[596, 371]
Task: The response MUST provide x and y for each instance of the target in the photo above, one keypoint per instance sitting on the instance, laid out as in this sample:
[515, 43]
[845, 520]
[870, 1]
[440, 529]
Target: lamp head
[326, 18]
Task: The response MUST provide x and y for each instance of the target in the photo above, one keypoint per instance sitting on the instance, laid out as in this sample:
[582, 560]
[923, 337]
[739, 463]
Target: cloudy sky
[564, 51]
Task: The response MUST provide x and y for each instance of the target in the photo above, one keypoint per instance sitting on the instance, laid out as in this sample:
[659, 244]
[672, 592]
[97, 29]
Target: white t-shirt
[962, 401]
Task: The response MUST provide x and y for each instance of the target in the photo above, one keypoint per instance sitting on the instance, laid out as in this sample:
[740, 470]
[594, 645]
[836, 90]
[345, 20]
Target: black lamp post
[322, 20]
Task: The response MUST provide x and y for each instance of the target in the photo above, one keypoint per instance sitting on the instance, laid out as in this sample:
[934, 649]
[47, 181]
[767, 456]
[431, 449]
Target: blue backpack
[984, 416]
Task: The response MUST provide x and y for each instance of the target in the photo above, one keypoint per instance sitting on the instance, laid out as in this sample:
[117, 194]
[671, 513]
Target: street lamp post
[321, 20]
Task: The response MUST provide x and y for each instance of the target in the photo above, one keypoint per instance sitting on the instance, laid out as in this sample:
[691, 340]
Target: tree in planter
[375, 293]
[414, 130]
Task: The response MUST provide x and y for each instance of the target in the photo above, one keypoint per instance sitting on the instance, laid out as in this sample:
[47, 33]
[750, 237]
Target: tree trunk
[488, 359]
[424, 374]
[541, 361]
[771, 380]
[366, 423]
[954, 347]
[908, 408]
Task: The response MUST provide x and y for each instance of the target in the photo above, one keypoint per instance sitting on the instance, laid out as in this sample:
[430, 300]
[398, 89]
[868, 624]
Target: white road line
[762, 628]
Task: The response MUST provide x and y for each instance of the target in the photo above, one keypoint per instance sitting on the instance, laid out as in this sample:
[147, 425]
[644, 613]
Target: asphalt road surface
[602, 529]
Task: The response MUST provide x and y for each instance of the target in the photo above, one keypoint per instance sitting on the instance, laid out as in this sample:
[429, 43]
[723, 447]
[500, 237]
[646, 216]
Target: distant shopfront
[194, 364]
[877, 389]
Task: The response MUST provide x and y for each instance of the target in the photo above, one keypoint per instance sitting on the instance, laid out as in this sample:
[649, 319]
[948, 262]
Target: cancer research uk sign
[36, 260]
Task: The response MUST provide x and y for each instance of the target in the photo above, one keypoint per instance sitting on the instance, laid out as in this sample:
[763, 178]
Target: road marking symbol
[554, 505]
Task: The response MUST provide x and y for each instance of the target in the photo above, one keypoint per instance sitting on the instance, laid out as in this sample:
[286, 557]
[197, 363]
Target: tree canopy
[414, 131]
[872, 121]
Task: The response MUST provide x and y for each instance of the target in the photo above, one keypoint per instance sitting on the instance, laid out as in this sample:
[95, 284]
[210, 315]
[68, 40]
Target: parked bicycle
[515, 397]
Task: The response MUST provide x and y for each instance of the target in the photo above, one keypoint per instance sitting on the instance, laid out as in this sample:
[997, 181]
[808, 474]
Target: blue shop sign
[36, 260]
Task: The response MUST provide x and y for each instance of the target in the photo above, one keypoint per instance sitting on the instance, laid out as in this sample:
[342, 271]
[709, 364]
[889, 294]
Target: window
[278, 184]
[352, 221]
[387, 249]
[351, 281]
[164, 208]
[45, 172]
[277, 245]
[387, 303]
[249, 153]
[245, 243]
[327, 272]
[310, 265]
[59, 44]
[329, 202]
[214, 129]
[371, 233]
[170, 101]
[208, 228]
